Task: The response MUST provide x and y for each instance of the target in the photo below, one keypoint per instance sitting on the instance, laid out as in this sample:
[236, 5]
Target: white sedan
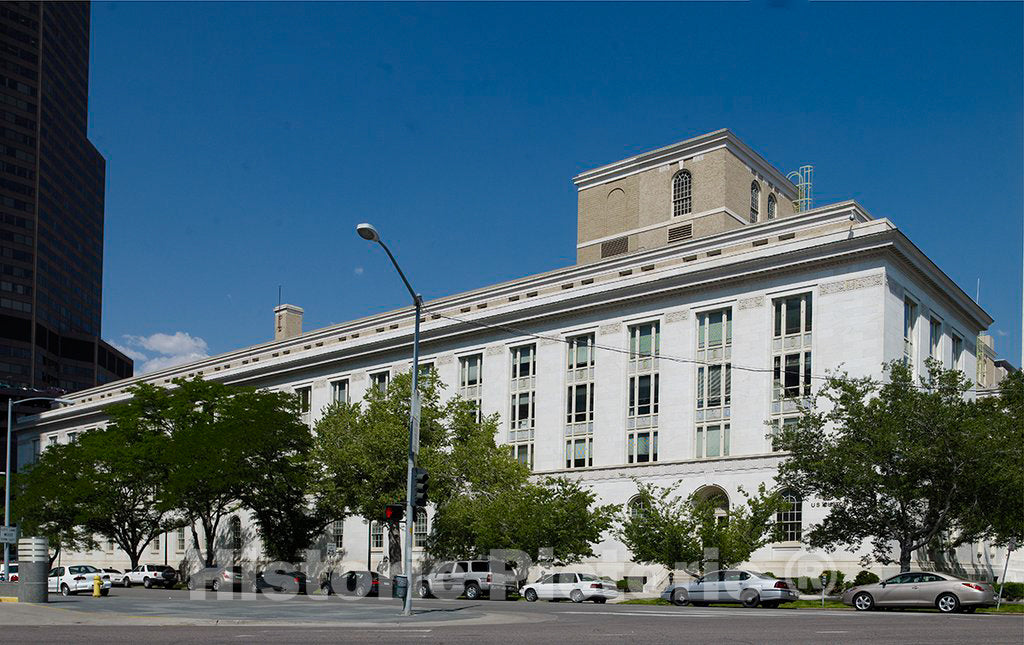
[76, 578]
[576, 587]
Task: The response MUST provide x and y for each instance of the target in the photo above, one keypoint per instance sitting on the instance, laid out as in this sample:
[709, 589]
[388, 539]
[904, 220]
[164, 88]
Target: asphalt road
[128, 616]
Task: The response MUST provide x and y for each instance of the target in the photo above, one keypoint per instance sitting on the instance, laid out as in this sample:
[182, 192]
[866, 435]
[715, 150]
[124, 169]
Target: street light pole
[370, 234]
[7, 472]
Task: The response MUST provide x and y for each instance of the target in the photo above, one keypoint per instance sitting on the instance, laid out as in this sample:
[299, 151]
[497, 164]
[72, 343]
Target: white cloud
[358, 270]
[158, 351]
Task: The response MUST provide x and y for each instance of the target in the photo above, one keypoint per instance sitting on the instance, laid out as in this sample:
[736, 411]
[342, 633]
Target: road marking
[836, 631]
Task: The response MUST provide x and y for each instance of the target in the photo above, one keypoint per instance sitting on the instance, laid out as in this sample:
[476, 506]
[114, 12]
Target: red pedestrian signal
[394, 512]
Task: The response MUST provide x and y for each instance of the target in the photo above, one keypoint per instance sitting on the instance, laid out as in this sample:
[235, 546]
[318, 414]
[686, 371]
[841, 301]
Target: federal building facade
[703, 308]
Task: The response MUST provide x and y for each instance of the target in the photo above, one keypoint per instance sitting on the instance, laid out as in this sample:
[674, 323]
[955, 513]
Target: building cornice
[829, 234]
[681, 151]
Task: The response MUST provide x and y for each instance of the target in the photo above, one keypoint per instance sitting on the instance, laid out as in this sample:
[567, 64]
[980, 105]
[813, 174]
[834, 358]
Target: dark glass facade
[51, 205]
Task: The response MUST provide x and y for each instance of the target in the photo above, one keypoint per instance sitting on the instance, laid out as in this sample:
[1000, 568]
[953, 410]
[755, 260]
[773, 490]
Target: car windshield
[758, 574]
[586, 577]
[88, 568]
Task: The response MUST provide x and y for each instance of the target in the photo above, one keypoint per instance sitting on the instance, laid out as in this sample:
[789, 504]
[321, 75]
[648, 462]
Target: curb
[8, 599]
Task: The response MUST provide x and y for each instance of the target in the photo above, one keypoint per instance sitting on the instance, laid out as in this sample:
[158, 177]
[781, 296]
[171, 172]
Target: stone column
[33, 565]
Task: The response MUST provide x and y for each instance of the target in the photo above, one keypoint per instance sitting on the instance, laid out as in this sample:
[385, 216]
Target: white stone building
[703, 305]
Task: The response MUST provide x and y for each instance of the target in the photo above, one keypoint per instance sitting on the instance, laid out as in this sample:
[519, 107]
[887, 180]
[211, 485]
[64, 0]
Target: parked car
[216, 578]
[279, 580]
[748, 588]
[115, 575]
[471, 578]
[577, 587]
[946, 593]
[357, 583]
[13, 574]
[148, 575]
[76, 578]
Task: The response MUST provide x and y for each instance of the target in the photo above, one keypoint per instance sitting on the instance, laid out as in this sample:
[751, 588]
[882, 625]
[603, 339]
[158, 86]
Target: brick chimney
[287, 321]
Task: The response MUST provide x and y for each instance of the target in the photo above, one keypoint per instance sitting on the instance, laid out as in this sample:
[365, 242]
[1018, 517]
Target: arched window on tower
[682, 202]
[755, 201]
[771, 207]
[789, 519]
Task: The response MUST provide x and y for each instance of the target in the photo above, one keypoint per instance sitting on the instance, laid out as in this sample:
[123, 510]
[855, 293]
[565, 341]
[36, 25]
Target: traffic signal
[394, 512]
[420, 479]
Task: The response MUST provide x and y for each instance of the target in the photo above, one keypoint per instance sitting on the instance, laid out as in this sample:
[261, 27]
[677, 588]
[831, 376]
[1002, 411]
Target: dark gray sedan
[922, 589]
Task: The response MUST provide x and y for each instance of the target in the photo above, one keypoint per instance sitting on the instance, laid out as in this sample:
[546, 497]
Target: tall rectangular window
[339, 391]
[909, 327]
[956, 360]
[156, 544]
[579, 402]
[471, 381]
[420, 529]
[181, 539]
[376, 535]
[714, 383]
[338, 533]
[643, 395]
[380, 380]
[935, 339]
[305, 396]
[523, 383]
[792, 365]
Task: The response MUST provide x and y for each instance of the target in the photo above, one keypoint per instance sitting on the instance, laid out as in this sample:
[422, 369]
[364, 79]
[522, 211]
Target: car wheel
[600, 601]
[948, 603]
[146, 583]
[863, 602]
[424, 590]
[104, 592]
[472, 591]
[750, 599]
[127, 582]
[680, 598]
[216, 585]
[530, 595]
[65, 590]
[771, 605]
[255, 588]
[576, 595]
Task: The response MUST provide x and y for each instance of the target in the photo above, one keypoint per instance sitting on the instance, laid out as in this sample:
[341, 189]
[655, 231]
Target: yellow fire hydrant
[96, 584]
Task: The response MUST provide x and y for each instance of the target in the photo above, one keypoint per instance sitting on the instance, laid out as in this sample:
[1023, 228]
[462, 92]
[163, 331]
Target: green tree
[360, 453]
[994, 508]
[898, 460]
[45, 500]
[119, 486]
[230, 447]
[483, 498]
[661, 527]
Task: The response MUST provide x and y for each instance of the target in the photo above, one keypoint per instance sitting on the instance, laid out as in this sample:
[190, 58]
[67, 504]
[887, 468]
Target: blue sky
[245, 141]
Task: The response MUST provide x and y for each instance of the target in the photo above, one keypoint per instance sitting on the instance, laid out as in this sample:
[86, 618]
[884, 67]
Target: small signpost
[824, 581]
[416, 424]
[8, 534]
[332, 550]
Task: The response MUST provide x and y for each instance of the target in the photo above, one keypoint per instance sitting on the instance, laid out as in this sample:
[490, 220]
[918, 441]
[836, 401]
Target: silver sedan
[922, 589]
[748, 588]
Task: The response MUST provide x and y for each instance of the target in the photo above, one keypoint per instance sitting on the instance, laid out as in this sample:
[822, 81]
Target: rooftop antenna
[804, 180]
[977, 292]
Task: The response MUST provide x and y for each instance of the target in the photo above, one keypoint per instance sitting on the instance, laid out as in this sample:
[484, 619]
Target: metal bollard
[96, 584]
[33, 566]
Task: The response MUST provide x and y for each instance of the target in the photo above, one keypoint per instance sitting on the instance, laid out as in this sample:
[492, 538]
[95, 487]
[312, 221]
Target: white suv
[75, 578]
[148, 575]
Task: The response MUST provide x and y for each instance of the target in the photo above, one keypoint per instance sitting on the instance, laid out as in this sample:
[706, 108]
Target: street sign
[8, 534]
[416, 424]
[332, 550]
